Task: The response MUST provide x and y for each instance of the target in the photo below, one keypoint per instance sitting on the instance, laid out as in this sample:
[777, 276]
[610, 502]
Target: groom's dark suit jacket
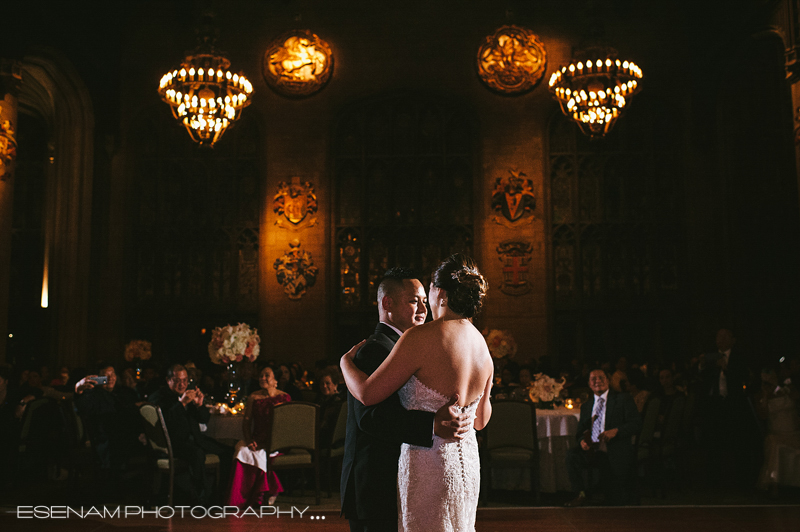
[374, 436]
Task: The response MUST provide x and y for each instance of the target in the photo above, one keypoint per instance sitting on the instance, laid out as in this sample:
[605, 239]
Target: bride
[438, 486]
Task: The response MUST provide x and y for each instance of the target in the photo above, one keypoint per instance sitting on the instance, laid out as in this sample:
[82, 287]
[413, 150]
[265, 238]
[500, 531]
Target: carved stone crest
[515, 257]
[512, 60]
[513, 197]
[295, 270]
[294, 202]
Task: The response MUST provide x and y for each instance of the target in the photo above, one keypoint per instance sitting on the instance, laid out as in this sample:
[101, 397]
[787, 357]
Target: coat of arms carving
[513, 197]
[295, 271]
[515, 257]
[294, 202]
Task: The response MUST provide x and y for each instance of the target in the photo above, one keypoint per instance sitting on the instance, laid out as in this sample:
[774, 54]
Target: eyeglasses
[180, 381]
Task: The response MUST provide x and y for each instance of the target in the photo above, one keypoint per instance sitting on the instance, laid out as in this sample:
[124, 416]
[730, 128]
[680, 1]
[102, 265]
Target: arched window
[195, 218]
[403, 175]
[617, 238]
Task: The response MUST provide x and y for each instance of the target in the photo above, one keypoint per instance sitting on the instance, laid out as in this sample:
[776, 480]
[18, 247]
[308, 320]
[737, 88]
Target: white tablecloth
[556, 430]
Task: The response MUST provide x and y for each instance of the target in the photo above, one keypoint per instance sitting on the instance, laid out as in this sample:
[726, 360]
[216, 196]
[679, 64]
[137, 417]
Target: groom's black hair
[393, 279]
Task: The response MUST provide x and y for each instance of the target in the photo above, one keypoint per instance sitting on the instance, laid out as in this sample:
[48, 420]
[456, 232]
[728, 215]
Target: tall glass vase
[234, 394]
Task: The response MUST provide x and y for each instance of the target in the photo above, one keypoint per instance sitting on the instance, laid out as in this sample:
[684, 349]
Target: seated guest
[782, 442]
[667, 393]
[636, 382]
[184, 412]
[10, 426]
[286, 382]
[330, 404]
[619, 379]
[607, 424]
[112, 421]
[250, 483]
[61, 381]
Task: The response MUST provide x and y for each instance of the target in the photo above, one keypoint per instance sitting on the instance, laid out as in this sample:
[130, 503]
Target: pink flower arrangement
[138, 349]
[234, 344]
[500, 343]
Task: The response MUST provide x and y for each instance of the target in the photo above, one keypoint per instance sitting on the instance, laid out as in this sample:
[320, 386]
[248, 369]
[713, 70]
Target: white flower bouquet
[138, 349]
[545, 389]
[234, 344]
[500, 343]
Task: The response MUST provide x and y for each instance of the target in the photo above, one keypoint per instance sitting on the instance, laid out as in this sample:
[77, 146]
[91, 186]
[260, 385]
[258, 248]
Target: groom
[375, 433]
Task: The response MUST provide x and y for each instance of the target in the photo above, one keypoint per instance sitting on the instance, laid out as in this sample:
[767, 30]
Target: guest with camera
[109, 412]
[182, 406]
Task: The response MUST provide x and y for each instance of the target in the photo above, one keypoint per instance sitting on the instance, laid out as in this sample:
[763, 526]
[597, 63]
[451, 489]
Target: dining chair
[510, 441]
[336, 450]
[646, 445]
[155, 429]
[294, 432]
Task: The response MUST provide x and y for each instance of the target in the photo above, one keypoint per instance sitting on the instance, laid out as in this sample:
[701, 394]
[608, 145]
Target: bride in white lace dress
[438, 486]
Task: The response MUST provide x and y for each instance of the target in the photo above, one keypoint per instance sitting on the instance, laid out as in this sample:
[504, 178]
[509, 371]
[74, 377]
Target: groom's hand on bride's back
[449, 423]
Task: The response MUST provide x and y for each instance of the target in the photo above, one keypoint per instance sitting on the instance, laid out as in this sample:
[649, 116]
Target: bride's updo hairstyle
[464, 284]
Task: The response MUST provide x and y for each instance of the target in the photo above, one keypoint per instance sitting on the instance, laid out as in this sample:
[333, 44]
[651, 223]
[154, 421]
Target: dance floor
[629, 519]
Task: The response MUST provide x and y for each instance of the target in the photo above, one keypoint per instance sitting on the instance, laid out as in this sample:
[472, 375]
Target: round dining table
[225, 428]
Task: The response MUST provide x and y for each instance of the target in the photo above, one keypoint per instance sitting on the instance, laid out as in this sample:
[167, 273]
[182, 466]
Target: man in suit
[608, 423]
[730, 425]
[375, 433]
[184, 412]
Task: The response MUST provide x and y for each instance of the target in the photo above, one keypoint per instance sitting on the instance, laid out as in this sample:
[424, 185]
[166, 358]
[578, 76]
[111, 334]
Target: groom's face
[409, 305]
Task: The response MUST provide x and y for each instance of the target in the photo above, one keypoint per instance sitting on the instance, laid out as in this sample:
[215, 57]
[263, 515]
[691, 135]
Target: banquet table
[225, 428]
[556, 430]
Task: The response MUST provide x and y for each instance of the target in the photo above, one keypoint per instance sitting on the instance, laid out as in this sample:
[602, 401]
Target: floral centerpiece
[501, 344]
[545, 389]
[138, 350]
[233, 344]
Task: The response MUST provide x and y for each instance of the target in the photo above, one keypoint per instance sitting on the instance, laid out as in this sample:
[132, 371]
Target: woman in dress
[250, 484]
[438, 486]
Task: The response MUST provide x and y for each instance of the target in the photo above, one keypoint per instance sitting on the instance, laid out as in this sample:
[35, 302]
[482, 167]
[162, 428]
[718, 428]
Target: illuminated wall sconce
[512, 60]
[297, 64]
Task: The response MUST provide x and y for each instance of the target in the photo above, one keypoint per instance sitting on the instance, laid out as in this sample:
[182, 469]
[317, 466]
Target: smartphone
[99, 381]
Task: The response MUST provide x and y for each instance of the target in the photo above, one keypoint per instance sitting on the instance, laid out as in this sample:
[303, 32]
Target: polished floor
[626, 519]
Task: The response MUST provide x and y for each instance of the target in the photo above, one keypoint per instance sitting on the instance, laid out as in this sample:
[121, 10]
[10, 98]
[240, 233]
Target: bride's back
[455, 359]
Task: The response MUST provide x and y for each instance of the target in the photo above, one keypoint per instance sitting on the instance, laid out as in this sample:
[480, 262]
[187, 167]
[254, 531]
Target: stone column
[10, 79]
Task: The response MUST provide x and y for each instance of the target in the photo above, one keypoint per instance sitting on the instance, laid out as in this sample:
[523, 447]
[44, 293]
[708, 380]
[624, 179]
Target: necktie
[597, 423]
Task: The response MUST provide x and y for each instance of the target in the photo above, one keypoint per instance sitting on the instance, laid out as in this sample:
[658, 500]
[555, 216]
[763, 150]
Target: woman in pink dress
[250, 483]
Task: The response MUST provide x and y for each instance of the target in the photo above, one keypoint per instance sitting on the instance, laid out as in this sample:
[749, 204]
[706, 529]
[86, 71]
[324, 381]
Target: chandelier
[594, 90]
[204, 95]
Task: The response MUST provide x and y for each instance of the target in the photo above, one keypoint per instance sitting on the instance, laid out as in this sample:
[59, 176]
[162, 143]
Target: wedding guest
[619, 379]
[250, 483]
[608, 421]
[636, 383]
[9, 427]
[184, 412]
[286, 382]
[782, 442]
[330, 403]
[111, 417]
[62, 380]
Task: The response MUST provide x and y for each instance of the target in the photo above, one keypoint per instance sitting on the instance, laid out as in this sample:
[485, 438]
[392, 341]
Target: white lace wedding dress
[437, 487]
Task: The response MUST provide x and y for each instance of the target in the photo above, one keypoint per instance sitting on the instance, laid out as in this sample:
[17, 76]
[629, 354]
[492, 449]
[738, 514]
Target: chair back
[688, 413]
[340, 430]
[294, 426]
[155, 428]
[672, 425]
[513, 424]
[649, 421]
